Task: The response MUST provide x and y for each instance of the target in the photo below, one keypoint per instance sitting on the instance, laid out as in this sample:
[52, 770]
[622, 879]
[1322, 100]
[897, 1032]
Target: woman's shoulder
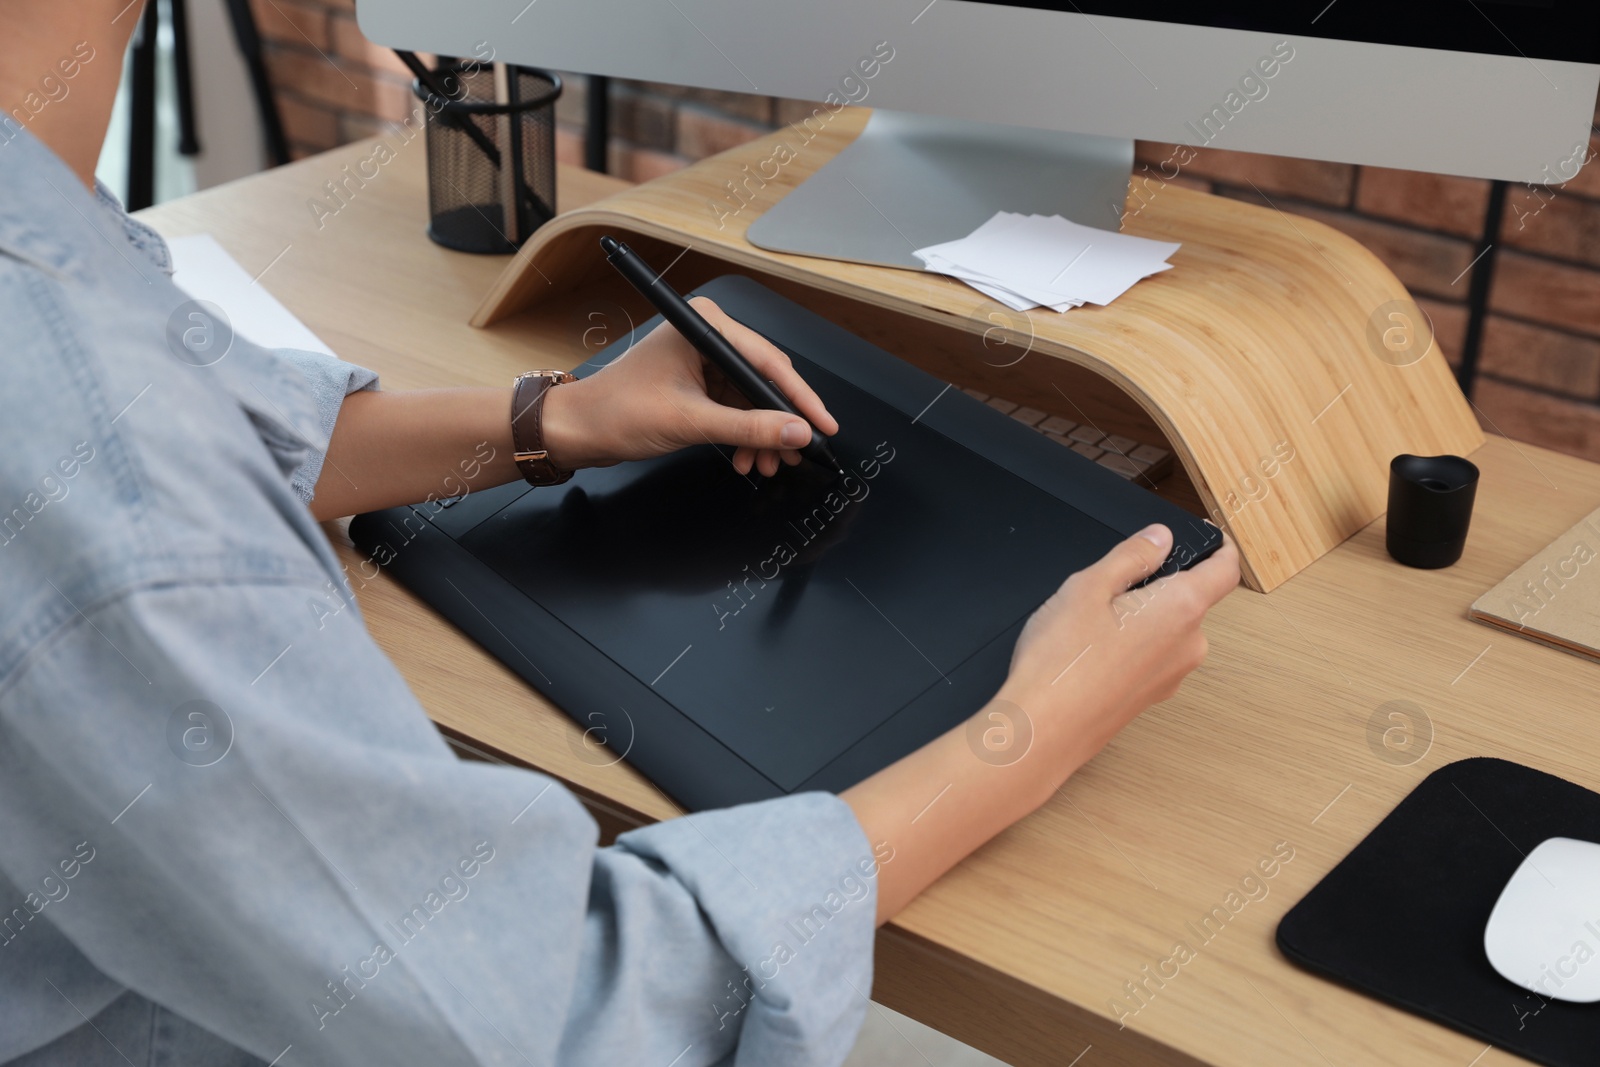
[123, 463]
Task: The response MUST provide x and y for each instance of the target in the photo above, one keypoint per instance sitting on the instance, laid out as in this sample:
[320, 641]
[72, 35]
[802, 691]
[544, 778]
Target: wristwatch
[527, 426]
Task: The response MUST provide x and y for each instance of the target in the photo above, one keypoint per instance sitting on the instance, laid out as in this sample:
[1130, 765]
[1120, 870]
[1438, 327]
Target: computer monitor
[1482, 88]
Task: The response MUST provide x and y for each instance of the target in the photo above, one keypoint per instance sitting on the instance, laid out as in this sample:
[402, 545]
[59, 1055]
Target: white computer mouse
[1544, 931]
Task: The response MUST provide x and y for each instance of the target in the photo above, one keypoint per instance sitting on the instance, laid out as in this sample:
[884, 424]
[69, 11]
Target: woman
[330, 885]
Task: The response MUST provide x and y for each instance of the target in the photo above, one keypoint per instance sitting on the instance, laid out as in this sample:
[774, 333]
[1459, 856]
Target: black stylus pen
[711, 344]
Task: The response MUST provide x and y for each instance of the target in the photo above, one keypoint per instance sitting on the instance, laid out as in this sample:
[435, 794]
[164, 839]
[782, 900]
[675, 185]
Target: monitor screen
[1537, 29]
[1479, 88]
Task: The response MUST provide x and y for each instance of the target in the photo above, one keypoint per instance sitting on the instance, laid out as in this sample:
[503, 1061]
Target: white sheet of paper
[1032, 260]
[207, 272]
[1028, 297]
[1054, 256]
[993, 288]
[973, 277]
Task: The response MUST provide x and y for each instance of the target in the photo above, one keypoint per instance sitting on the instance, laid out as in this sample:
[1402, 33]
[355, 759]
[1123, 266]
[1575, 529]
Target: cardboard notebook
[1554, 598]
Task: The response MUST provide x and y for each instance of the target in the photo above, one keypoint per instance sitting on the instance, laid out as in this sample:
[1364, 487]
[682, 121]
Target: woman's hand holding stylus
[662, 395]
[392, 448]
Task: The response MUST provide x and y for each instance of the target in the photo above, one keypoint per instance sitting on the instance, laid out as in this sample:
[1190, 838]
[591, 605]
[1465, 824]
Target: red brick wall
[1539, 364]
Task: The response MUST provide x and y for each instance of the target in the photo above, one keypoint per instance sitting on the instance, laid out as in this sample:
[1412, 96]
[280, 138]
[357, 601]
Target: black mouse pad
[1402, 916]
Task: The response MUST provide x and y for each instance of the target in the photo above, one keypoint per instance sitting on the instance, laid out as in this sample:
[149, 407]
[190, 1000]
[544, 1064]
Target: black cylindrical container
[1430, 508]
[491, 161]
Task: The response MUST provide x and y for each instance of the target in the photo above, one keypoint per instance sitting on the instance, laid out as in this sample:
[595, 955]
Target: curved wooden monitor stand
[1283, 363]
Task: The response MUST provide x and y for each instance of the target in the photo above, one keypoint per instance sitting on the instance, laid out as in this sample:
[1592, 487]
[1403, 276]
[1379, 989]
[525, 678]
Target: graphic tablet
[737, 638]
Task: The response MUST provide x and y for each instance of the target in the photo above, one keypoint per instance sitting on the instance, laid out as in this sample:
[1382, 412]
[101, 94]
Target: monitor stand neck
[909, 181]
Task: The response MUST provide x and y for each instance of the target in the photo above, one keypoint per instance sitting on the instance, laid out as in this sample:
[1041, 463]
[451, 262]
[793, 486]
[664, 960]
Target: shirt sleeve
[331, 380]
[285, 852]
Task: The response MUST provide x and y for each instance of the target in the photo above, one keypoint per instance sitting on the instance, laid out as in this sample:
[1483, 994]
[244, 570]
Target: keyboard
[1122, 455]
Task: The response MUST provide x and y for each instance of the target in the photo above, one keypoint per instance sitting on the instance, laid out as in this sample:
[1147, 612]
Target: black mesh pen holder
[491, 155]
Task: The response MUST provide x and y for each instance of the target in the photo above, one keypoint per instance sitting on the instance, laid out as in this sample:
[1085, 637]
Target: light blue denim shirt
[220, 802]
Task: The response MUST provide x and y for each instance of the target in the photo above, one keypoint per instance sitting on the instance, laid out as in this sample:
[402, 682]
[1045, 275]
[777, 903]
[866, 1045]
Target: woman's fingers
[1132, 561]
[1216, 575]
[1139, 556]
[770, 360]
[746, 459]
[758, 429]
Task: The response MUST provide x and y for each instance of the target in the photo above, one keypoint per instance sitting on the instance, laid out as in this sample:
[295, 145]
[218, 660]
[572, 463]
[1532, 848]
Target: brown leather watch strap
[527, 426]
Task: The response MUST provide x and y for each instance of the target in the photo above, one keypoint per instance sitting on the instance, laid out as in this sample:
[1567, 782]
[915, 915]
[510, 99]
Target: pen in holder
[1430, 508]
[491, 153]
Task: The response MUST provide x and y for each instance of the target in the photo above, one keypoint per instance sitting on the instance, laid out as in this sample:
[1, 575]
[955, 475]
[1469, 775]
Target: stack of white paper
[1025, 261]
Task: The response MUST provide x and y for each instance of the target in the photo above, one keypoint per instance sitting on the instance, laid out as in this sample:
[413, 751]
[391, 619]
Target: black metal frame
[142, 120]
[1478, 288]
[597, 134]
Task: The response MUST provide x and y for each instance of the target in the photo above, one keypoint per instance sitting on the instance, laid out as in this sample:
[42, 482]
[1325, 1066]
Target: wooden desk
[1021, 949]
